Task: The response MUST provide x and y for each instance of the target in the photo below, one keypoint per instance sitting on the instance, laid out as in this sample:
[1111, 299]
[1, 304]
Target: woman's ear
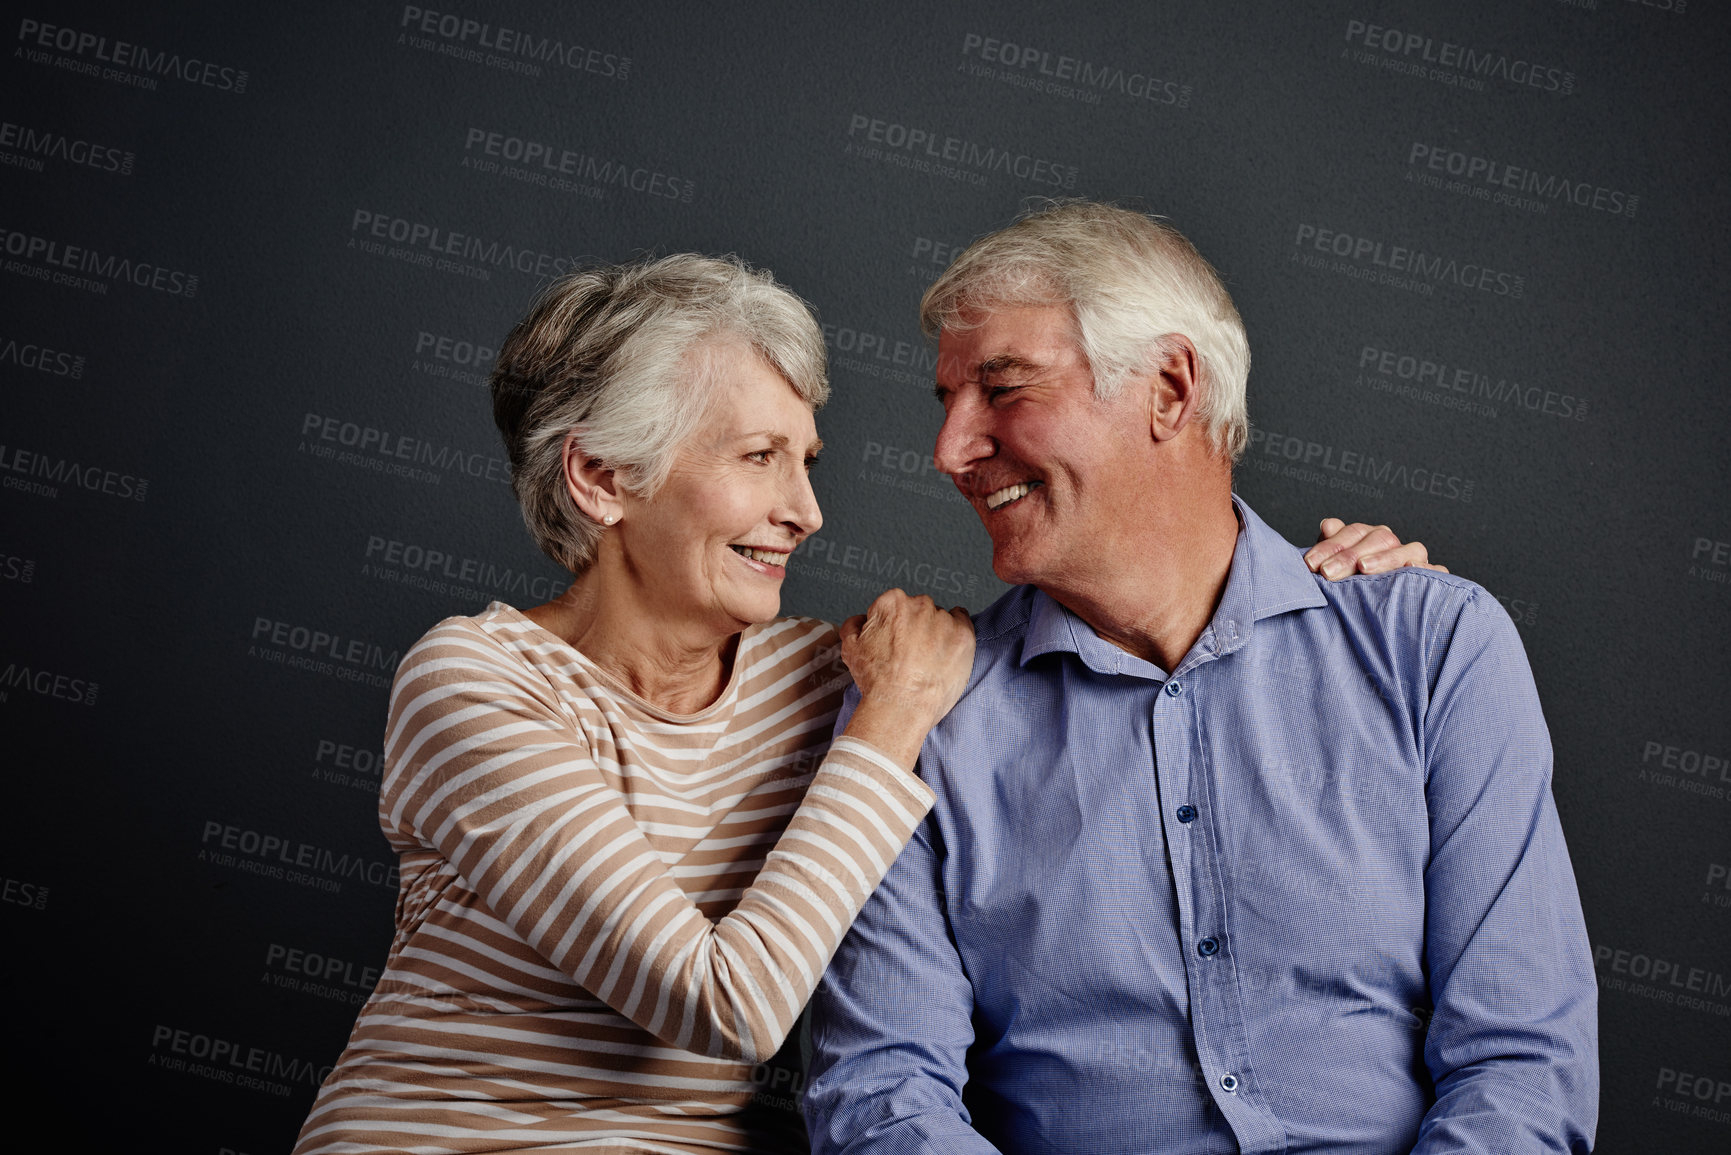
[591, 485]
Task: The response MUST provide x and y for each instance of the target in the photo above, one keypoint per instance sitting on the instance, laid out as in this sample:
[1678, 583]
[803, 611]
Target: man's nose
[963, 440]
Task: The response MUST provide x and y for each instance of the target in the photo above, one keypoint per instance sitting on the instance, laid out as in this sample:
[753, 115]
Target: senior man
[1225, 856]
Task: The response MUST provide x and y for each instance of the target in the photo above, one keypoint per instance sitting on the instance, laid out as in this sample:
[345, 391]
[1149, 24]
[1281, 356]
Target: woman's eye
[761, 455]
[810, 464]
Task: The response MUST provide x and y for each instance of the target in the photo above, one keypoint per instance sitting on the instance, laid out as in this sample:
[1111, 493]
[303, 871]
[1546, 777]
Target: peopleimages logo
[83, 267]
[16, 892]
[226, 1061]
[863, 567]
[1026, 66]
[1674, 7]
[372, 447]
[1663, 980]
[41, 358]
[931, 150]
[553, 165]
[453, 358]
[274, 856]
[28, 148]
[1512, 185]
[1435, 381]
[22, 468]
[1407, 263]
[25, 678]
[1351, 470]
[40, 38]
[509, 49]
[449, 573]
[931, 257]
[1417, 54]
[423, 243]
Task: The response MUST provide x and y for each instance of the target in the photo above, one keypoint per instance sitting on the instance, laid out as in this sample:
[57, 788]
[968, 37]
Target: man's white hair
[1130, 280]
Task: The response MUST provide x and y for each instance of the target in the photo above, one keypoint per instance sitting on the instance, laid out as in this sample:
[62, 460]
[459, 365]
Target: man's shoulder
[999, 631]
[1409, 626]
[1003, 624]
[1409, 596]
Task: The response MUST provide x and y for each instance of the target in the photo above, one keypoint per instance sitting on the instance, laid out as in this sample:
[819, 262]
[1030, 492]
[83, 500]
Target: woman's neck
[676, 667]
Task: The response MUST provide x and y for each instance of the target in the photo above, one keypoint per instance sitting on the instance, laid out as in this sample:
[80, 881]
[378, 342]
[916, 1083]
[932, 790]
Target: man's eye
[761, 455]
[810, 464]
[998, 392]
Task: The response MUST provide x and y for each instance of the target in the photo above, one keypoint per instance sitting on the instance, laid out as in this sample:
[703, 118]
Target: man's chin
[1011, 565]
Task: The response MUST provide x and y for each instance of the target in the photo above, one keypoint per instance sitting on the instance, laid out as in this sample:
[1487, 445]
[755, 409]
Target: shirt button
[1229, 1083]
[1208, 947]
[1187, 813]
[1174, 687]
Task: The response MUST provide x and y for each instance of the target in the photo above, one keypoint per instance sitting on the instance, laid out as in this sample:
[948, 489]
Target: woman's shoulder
[493, 632]
[497, 645]
[787, 659]
[790, 637]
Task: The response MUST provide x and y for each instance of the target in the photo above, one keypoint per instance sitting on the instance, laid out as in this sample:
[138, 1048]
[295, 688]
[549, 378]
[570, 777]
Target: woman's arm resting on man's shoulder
[483, 765]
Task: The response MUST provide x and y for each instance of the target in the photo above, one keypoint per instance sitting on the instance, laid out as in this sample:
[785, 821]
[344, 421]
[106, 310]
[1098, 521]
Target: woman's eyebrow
[780, 440]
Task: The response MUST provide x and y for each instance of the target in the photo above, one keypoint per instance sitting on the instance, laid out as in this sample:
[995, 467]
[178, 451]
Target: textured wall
[254, 261]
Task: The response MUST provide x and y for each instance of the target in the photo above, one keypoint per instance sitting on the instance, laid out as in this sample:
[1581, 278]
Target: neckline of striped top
[522, 623]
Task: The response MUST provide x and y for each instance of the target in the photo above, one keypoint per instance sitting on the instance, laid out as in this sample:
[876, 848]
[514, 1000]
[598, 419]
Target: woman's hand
[1342, 550]
[911, 662]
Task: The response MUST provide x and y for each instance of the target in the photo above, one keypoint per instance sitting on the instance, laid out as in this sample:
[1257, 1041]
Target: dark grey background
[150, 717]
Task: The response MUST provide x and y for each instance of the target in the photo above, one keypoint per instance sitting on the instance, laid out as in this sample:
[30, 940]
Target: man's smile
[1010, 494]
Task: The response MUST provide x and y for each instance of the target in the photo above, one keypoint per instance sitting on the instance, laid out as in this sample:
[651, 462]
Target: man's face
[1051, 471]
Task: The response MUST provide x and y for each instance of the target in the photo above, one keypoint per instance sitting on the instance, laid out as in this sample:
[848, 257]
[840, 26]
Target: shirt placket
[1188, 812]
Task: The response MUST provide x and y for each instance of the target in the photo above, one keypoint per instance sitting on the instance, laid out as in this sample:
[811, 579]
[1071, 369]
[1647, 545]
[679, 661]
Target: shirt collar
[1268, 577]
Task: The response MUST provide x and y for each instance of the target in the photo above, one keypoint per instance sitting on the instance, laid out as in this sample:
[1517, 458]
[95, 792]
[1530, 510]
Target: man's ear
[1174, 386]
[591, 485]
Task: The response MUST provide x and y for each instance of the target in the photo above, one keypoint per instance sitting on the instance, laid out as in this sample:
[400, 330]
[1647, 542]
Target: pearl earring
[609, 519]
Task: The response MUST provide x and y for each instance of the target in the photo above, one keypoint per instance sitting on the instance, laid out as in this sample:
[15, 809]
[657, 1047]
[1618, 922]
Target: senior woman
[629, 844]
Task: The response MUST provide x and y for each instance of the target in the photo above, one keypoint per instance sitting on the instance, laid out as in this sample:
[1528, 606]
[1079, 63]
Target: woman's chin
[767, 611]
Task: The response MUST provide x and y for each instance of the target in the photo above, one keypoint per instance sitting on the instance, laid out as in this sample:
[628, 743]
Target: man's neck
[1156, 587]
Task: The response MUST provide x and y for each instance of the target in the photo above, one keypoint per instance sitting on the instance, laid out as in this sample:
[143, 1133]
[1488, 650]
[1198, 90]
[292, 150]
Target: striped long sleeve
[486, 768]
[605, 907]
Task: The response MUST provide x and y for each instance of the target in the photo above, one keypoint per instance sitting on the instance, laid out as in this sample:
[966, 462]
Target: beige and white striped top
[608, 912]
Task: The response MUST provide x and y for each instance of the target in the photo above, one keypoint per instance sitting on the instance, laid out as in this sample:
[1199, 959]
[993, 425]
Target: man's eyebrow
[993, 367]
[1005, 363]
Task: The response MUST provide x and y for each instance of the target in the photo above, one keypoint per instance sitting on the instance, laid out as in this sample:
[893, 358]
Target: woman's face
[710, 549]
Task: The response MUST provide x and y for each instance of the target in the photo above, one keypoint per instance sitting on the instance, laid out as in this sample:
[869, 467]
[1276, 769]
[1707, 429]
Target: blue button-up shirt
[1308, 892]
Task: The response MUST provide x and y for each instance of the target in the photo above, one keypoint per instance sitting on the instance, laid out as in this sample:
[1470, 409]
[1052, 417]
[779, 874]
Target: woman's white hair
[1130, 280]
[620, 356]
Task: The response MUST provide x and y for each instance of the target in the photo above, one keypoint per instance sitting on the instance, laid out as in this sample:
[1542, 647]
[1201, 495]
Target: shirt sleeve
[892, 1022]
[1512, 1045]
[483, 765]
